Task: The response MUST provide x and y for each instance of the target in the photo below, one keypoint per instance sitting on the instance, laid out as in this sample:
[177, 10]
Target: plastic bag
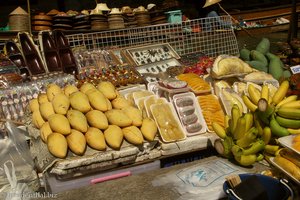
[17, 174]
[17, 190]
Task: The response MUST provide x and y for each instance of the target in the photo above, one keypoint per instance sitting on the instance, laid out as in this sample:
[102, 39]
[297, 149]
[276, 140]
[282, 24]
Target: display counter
[141, 186]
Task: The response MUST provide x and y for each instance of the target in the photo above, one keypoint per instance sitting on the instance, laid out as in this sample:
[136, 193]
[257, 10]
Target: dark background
[191, 8]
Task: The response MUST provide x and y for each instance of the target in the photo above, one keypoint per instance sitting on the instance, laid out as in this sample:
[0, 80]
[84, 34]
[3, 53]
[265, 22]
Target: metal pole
[29, 16]
[293, 28]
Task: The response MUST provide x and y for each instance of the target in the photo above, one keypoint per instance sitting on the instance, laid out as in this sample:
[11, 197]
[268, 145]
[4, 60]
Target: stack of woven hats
[115, 19]
[98, 17]
[62, 21]
[129, 17]
[81, 22]
[142, 16]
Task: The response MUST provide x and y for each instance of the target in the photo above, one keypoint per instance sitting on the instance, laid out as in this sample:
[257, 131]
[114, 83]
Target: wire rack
[212, 36]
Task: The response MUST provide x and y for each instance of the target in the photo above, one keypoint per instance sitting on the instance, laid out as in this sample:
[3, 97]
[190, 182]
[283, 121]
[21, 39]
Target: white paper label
[295, 69]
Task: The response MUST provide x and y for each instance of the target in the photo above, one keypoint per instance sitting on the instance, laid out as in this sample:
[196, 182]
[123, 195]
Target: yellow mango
[109, 106]
[134, 114]
[61, 104]
[86, 87]
[97, 100]
[42, 98]
[37, 119]
[46, 109]
[60, 124]
[95, 139]
[45, 131]
[133, 135]
[52, 90]
[120, 102]
[118, 117]
[57, 145]
[79, 101]
[97, 119]
[76, 142]
[34, 105]
[108, 89]
[149, 129]
[69, 89]
[113, 136]
[77, 120]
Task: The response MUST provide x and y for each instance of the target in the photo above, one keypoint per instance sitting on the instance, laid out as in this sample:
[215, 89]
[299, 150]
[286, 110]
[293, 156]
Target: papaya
[258, 56]
[275, 66]
[263, 46]
[258, 65]
[245, 54]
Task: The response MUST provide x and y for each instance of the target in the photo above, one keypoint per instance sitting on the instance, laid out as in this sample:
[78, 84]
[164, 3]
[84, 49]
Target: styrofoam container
[196, 112]
[166, 116]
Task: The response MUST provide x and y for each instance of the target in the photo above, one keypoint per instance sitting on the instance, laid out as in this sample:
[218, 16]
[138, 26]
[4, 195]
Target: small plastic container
[151, 100]
[166, 118]
[174, 17]
[190, 114]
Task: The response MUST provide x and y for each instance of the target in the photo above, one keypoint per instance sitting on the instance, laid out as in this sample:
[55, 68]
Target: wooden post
[293, 28]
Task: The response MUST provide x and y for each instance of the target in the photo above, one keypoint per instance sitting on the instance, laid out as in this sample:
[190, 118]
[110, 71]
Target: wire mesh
[212, 36]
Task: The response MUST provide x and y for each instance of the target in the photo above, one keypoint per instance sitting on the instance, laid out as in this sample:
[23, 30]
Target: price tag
[295, 69]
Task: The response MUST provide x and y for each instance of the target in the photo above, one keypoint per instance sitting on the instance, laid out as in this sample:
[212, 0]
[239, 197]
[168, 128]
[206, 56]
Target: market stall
[81, 111]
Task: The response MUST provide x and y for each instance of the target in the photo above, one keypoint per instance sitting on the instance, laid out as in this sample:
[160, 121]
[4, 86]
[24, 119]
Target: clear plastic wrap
[18, 177]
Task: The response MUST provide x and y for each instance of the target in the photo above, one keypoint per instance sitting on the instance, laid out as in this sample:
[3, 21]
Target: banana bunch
[276, 112]
[240, 139]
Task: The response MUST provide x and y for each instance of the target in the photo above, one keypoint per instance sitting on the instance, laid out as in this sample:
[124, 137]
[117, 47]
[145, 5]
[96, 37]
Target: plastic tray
[197, 111]
[284, 171]
[173, 115]
[287, 141]
[140, 94]
[149, 98]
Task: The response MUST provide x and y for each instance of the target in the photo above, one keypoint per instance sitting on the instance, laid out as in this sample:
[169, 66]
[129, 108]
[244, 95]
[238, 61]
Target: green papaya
[245, 54]
[256, 55]
[258, 65]
[275, 66]
[263, 46]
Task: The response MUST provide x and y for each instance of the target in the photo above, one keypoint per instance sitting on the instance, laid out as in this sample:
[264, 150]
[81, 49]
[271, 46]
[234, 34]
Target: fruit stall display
[243, 104]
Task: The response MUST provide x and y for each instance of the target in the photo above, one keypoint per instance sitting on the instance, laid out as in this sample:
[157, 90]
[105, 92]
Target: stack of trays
[98, 22]
[41, 22]
[143, 18]
[62, 21]
[115, 19]
[81, 22]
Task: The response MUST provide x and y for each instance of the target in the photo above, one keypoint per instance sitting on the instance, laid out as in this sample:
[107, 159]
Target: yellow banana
[239, 131]
[226, 121]
[265, 92]
[251, 106]
[271, 149]
[249, 121]
[235, 115]
[293, 131]
[281, 92]
[293, 104]
[258, 124]
[254, 94]
[289, 113]
[267, 134]
[287, 100]
[246, 160]
[219, 130]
